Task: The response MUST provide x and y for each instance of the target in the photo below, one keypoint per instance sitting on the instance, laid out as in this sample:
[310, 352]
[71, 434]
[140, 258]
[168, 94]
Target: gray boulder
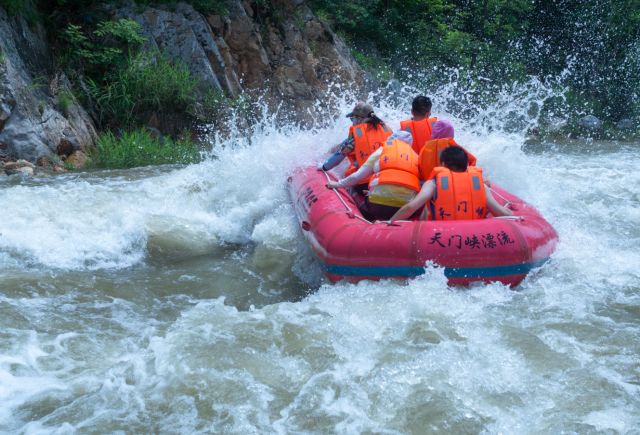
[626, 124]
[31, 125]
[590, 122]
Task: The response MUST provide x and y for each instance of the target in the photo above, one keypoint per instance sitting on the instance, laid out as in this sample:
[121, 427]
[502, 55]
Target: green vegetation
[125, 89]
[590, 48]
[214, 7]
[144, 86]
[68, 166]
[123, 85]
[25, 8]
[378, 67]
[64, 101]
[140, 148]
[106, 48]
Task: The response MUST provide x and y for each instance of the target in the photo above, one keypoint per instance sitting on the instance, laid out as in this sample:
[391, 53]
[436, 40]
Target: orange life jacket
[367, 139]
[420, 130]
[458, 195]
[398, 165]
[430, 155]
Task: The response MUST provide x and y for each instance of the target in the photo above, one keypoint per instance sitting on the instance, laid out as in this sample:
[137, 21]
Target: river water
[184, 300]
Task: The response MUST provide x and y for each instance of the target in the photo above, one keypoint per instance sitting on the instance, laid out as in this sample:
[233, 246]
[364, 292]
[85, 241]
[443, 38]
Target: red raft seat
[502, 249]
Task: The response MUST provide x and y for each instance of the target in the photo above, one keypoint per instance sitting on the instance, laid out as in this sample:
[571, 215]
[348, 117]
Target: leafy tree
[105, 49]
[593, 47]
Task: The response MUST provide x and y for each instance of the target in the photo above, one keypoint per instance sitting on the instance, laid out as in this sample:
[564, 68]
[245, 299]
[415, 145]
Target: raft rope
[349, 210]
[506, 204]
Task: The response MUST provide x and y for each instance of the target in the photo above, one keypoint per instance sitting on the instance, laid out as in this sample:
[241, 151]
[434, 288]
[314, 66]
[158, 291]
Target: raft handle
[306, 226]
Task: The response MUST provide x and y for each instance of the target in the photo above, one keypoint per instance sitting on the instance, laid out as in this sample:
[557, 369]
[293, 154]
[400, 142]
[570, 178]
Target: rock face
[284, 53]
[275, 50]
[296, 55]
[32, 123]
[184, 34]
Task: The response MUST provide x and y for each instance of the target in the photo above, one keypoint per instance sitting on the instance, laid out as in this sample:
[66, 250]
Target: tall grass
[146, 85]
[140, 148]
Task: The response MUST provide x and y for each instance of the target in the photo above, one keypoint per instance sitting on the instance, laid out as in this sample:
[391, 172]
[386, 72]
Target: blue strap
[476, 182]
[444, 182]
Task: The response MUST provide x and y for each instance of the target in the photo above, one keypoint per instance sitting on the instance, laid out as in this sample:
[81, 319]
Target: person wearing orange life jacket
[367, 134]
[442, 137]
[421, 123]
[393, 173]
[455, 191]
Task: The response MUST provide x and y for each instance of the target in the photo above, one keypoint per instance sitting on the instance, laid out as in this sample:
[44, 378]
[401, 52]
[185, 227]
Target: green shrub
[373, 64]
[68, 166]
[65, 100]
[145, 85]
[104, 50]
[140, 148]
[503, 42]
[123, 86]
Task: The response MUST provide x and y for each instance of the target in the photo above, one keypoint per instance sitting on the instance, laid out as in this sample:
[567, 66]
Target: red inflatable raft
[349, 247]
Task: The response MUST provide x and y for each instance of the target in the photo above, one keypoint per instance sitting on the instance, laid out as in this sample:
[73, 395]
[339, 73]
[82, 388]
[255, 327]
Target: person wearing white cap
[394, 174]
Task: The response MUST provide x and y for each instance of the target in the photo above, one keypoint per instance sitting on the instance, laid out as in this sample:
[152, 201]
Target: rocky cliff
[282, 53]
[39, 117]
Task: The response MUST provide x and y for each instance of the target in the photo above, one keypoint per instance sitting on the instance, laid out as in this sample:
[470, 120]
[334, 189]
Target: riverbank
[189, 70]
[120, 67]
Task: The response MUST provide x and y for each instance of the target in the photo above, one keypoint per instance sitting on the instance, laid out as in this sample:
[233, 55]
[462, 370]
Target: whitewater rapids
[183, 299]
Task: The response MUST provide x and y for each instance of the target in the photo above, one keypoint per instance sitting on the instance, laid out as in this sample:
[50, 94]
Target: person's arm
[348, 142]
[366, 170]
[353, 179]
[425, 194]
[495, 208]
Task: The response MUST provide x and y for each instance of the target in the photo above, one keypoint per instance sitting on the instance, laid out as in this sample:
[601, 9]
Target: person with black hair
[454, 191]
[421, 123]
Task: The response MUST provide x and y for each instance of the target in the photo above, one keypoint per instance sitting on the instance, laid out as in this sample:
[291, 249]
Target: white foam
[557, 354]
